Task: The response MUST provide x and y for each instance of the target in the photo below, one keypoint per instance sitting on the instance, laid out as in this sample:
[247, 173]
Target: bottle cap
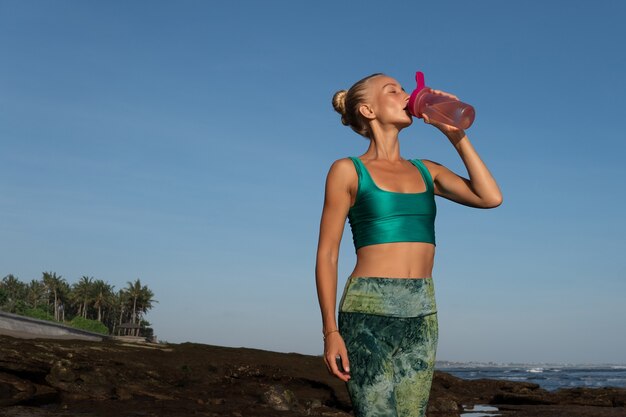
[419, 77]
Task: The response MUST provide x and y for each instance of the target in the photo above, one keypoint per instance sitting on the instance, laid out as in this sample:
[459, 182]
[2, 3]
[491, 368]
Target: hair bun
[339, 104]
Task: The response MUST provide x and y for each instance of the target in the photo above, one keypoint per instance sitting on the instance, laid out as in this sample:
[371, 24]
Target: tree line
[53, 298]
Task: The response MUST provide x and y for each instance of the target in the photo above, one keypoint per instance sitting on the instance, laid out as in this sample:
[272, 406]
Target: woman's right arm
[337, 201]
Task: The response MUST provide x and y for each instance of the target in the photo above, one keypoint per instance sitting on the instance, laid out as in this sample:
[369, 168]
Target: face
[388, 102]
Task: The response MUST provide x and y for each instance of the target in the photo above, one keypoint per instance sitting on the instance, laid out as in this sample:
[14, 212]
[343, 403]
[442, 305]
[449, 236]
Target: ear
[367, 111]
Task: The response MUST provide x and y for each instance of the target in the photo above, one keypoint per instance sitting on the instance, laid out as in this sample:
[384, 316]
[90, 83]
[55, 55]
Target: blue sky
[187, 144]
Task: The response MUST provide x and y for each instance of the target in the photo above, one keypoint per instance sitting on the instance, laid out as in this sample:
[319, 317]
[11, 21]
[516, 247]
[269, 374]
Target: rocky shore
[46, 377]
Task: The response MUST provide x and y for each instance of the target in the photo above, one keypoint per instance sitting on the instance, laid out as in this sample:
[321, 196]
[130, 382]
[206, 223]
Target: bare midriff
[395, 260]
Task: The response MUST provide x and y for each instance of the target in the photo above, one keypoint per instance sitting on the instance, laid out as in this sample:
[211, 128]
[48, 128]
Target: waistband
[395, 297]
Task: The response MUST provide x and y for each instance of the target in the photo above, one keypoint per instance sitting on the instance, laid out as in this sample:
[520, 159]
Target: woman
[384, 347]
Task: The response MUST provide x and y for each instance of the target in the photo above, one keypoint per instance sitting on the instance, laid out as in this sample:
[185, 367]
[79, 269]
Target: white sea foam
[551, 377]
[515, 378]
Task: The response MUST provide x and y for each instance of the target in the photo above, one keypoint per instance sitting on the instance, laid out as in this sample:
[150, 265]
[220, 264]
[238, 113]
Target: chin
[406, 123]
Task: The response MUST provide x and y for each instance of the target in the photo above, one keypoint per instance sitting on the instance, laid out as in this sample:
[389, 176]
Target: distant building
[128, 329]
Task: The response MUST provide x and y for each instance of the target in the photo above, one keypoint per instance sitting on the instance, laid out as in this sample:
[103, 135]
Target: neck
[384, 144]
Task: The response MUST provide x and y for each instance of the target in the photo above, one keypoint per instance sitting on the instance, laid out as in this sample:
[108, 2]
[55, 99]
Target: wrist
[329, 332]
[456, 137]
[329, 325]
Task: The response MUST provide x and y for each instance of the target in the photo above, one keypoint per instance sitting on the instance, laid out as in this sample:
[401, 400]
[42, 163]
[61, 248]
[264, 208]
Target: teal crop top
[380, 216]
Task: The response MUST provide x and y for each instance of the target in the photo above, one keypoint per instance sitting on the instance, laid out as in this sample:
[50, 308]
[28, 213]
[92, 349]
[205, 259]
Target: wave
[552, 377]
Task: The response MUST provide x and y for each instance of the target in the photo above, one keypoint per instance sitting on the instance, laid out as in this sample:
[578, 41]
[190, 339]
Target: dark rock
[443, 404]
[14, 390]
[513, 398]
[111, 378]
[216, 401]
[279, 398]
[314, 403]
[597, 397]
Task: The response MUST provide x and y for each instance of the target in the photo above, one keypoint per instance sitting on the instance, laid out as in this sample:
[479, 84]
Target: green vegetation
[38, 313]
[91, 325]
[89, 304]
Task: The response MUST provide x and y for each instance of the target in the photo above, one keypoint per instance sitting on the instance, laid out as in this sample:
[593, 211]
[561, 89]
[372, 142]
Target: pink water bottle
[439, 108]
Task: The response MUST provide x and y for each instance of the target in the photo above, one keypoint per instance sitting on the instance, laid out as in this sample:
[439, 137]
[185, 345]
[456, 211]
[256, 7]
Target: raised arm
[336, 206]
[481, 189]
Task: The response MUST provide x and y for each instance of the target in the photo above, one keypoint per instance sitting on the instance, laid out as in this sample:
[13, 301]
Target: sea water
[549, 377]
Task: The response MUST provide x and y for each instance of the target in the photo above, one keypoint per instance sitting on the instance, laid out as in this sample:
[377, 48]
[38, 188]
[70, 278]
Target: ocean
[549, 377]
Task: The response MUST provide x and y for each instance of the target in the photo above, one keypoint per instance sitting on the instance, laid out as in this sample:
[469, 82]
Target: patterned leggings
[390, 329]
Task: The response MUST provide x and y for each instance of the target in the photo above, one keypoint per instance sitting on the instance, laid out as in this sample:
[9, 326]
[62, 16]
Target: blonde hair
[346, 103]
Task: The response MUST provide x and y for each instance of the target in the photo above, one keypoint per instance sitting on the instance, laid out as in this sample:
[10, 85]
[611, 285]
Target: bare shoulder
[342, 170]
[343, 164]
[433, 167]
[342, 175]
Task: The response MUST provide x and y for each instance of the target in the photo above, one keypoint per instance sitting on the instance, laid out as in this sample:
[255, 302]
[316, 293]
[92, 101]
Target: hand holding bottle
[435, 105]
[447, 129]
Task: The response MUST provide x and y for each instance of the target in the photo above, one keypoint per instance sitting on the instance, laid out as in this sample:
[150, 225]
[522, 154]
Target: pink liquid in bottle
[439, 108]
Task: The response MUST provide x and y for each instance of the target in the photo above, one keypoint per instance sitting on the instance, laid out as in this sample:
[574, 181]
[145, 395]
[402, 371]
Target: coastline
[45, 377]
[549, 376]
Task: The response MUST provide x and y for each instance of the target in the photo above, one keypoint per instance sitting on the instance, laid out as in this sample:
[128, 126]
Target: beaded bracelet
[326, 335]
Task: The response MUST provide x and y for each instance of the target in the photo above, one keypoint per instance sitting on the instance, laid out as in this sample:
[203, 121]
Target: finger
[332, 364]
[336, 371]
[329, 367]
[343, 366]
[443, 93]
[345, 362]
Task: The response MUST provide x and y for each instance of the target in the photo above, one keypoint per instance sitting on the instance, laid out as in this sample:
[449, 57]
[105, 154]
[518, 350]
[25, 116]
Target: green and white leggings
[390, 329]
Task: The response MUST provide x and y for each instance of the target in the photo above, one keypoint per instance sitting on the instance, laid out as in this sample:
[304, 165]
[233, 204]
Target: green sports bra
[380, 216]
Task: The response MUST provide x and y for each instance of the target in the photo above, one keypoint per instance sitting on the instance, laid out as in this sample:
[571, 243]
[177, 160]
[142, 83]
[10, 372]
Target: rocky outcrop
[45, 377]
[527, 399]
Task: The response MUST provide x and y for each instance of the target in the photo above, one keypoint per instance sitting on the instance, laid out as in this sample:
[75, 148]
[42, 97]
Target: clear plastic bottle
[439, 108]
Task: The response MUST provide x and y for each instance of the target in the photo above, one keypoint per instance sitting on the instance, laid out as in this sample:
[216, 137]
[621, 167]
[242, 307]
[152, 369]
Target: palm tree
[121, 300]
[65, 293]
[145, 303]
[103, 296]
[3, 296]
[134, 292]
[82, 294]
[142, 298]
[14, 290]
[54, 284]
[35, 292]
